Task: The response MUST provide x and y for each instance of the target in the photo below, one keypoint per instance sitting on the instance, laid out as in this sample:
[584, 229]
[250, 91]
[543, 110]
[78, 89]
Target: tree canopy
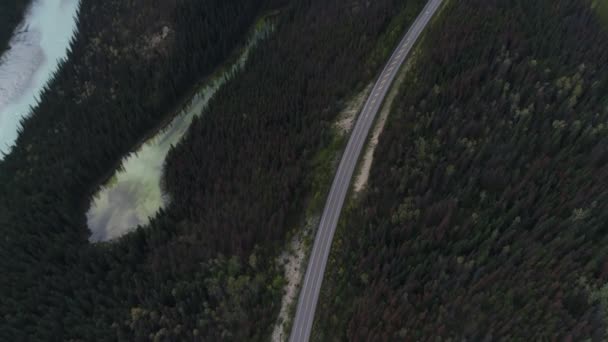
[486, 212]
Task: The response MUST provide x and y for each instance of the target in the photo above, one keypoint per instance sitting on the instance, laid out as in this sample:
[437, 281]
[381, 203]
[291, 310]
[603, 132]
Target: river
[133, 194]
[38, 45]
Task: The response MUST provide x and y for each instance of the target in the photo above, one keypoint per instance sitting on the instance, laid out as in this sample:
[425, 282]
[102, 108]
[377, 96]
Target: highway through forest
[309, 293]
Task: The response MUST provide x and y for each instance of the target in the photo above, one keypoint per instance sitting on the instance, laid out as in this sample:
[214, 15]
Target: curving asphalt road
[309, 295]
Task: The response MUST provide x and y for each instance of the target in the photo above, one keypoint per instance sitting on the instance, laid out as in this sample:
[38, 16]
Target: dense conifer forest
[486, 215]
[11, 14]
[204, 268]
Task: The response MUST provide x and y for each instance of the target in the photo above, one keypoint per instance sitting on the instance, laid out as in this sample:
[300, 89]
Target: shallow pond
[133, 194]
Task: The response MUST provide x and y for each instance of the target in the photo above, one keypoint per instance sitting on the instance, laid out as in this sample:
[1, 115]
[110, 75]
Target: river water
[133, 194]
[37, 47]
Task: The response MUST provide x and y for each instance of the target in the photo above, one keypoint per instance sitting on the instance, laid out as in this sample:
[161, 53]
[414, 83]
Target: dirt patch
[293, 262]
[346, 118]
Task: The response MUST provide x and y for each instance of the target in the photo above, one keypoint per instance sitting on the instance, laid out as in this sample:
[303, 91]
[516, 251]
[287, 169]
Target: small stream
[133, 194]
[37, 47]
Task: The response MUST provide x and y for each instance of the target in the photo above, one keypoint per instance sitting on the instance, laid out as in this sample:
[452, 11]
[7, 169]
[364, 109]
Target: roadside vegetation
[486, 216]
